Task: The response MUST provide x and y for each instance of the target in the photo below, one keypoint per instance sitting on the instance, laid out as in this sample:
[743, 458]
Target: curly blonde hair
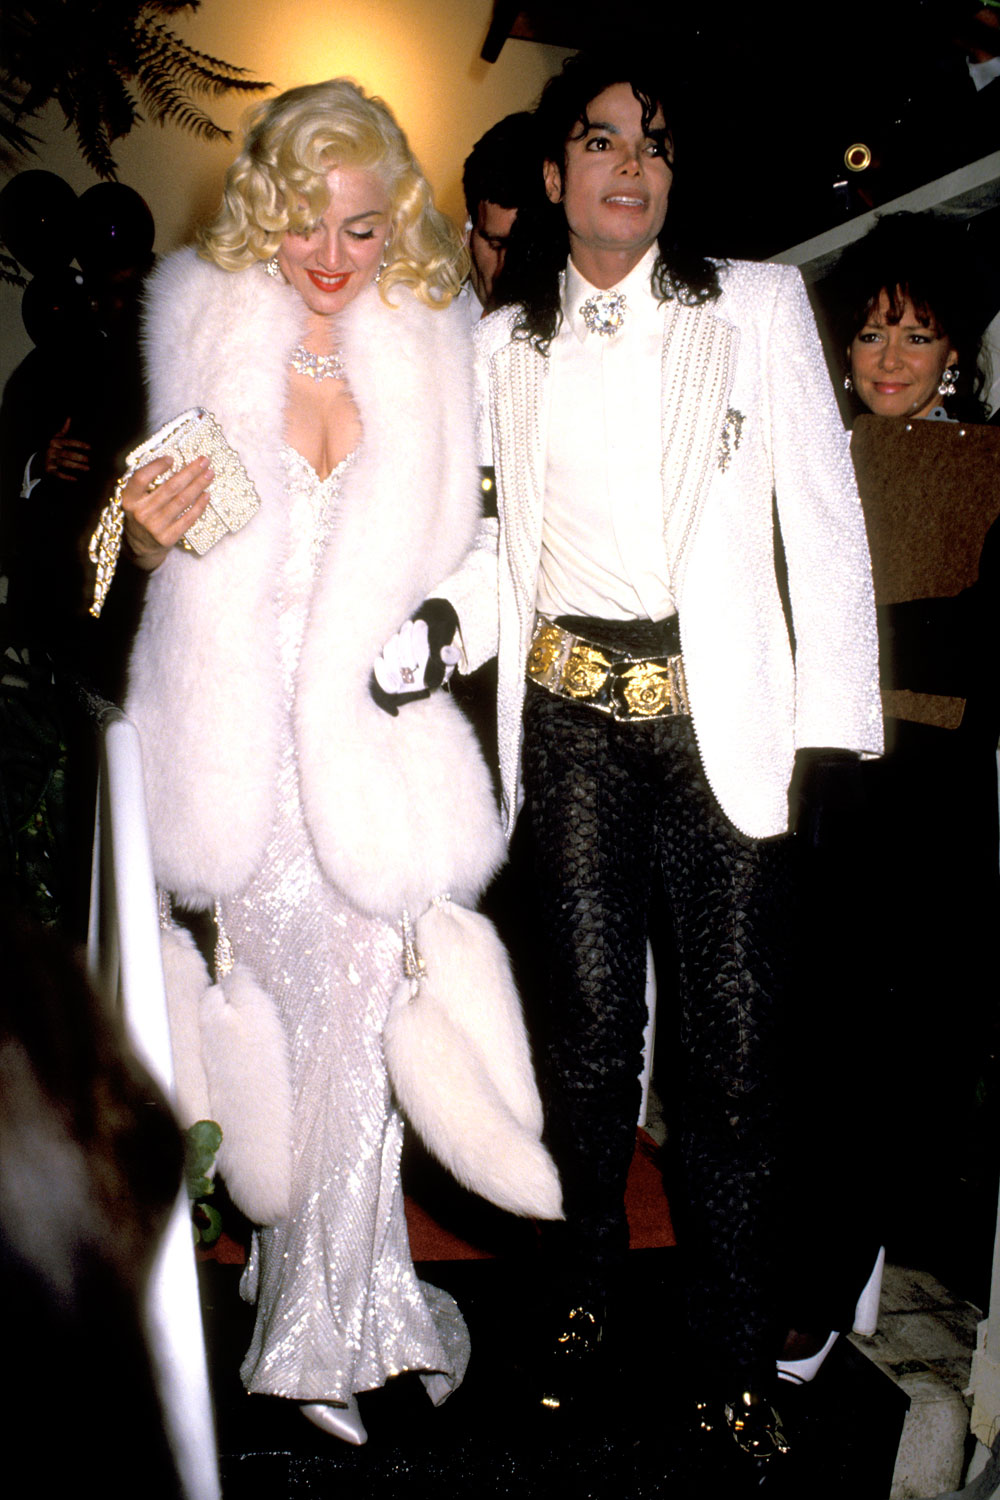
[278, 185]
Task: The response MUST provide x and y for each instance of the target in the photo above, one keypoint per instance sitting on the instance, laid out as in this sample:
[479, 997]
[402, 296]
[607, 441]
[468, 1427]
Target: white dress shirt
[602, 539]
[472, 308]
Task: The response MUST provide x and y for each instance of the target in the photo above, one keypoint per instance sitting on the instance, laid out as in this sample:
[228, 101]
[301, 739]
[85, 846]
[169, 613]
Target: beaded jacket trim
[698, 366]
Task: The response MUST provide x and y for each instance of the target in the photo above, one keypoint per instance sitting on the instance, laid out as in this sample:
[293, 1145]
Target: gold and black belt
[613, 681]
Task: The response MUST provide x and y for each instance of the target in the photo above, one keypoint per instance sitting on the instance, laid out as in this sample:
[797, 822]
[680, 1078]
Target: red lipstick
[327, 283]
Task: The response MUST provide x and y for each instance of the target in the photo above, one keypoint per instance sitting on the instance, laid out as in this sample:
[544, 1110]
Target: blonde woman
[313, 322]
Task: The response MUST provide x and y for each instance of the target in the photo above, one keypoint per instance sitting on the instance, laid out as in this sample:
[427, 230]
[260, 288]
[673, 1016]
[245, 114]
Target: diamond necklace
[317, 366]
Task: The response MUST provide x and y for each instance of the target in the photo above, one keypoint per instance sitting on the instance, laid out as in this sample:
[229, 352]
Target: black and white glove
[418, 659]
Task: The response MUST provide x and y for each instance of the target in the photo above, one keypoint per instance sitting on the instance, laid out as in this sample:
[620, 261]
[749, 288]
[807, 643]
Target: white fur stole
[231, 1066]
[459, 1063]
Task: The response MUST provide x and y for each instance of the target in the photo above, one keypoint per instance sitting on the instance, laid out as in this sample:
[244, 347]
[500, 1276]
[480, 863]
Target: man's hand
[66, 457]
[824, 796]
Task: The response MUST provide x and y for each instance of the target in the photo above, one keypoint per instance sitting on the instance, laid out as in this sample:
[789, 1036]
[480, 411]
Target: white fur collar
[400, 809]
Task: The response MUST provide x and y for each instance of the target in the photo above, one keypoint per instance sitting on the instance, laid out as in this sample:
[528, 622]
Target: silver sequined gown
[339, 1308]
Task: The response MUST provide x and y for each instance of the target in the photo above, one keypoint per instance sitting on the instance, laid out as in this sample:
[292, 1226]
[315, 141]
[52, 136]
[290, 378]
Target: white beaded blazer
[749, 428]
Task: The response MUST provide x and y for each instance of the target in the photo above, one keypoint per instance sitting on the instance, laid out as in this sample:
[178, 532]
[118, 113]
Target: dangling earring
[848, 383]
[272, 267]
[386, 257]
[949, 381]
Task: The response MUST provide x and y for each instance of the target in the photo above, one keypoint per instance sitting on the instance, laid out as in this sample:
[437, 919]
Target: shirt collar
[642, 305]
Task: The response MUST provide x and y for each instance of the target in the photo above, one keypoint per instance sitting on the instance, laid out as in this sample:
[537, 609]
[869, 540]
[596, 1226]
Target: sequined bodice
[313, 506]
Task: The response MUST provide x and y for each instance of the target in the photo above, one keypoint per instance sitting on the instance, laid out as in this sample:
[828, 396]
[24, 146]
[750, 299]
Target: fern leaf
[10, 271]
[169, 105]
[161, 48]
[95, 148]
[120, 47]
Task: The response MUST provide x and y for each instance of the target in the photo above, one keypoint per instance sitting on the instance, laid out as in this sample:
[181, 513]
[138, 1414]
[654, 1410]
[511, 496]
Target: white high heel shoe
[801, 1371]
[342, 1420]
[866, 1312]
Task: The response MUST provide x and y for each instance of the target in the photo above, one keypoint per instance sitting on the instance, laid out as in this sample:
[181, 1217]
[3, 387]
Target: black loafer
[571, 1357]
[756, 1426]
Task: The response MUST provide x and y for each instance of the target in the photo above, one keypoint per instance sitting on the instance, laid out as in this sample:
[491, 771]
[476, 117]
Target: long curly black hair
[539, 242]
[929, 261]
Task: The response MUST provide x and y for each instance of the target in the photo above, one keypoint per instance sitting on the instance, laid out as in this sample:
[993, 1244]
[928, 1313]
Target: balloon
[57, 309]
[113, 229]
[36, 217]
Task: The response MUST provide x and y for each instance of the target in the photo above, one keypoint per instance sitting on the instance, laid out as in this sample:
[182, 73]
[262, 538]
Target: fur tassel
[187, 982]
[481, 998]
[249, 1084]
[460, 1065]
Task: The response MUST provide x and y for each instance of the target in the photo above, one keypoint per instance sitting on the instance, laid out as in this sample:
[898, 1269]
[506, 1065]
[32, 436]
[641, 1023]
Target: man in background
[500, 172]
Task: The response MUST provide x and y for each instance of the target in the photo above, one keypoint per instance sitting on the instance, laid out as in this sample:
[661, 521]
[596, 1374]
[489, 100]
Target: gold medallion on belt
[614, 682]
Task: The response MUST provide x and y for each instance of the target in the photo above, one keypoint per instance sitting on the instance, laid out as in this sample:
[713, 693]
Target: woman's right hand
[156, 519]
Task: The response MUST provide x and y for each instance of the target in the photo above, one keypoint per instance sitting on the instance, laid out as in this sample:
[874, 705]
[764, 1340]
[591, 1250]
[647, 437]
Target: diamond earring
[949, 381]
[272, 267]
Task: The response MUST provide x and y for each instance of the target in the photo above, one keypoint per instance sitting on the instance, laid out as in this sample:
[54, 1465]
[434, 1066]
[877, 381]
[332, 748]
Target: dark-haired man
[651, 411]
[500, 173]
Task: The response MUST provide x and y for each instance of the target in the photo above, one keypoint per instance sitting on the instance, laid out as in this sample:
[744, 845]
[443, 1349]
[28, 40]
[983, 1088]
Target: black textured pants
[616, 809]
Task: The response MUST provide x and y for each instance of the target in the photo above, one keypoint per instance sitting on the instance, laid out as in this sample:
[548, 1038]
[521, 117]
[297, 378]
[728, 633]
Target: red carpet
[446, 1223]
[645, 1202]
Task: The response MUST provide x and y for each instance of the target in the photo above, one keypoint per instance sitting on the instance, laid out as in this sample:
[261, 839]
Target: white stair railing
[123, 959]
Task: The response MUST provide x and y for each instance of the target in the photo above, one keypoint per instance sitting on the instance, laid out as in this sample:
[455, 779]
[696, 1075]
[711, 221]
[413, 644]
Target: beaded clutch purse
[233, 499]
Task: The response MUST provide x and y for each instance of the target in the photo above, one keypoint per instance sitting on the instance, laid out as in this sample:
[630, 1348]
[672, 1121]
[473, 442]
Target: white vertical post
[124, 957]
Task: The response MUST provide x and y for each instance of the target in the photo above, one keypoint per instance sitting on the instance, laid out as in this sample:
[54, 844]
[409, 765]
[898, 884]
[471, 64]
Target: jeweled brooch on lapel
[732, 431]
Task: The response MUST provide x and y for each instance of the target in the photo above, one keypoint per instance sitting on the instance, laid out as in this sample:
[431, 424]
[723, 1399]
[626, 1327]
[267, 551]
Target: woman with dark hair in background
[909, 867]
[908, 302]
